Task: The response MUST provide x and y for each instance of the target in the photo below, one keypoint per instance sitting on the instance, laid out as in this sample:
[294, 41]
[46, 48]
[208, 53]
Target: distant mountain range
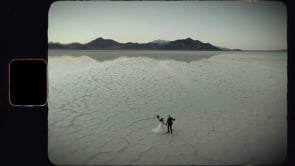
[160, 41]
[181, 44]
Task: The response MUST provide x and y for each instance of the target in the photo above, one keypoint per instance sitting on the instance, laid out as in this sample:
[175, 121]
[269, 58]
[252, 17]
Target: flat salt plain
[230, 107]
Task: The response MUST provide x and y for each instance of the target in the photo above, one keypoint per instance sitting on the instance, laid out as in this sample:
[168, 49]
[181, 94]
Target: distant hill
[160, 41]
[56, 46]
[189, 44]
[76, 46]
[101, 43]
[67, 46]
[228, 49]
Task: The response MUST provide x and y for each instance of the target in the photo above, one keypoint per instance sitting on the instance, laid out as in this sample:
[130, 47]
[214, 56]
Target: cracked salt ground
[229, 109]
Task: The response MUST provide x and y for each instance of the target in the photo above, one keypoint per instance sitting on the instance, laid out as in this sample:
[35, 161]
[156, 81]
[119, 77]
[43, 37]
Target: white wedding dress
[160, 128]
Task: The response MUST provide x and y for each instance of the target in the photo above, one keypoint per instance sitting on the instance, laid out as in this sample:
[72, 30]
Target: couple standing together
[161, 127]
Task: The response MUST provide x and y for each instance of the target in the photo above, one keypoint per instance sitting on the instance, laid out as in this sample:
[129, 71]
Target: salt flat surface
[229, 108]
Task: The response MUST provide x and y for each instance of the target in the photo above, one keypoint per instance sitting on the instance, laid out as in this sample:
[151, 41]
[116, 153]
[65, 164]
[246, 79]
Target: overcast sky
[244, 25]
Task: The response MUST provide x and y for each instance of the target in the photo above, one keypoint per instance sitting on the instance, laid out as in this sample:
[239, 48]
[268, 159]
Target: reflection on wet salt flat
[230, 107]
[104, 55]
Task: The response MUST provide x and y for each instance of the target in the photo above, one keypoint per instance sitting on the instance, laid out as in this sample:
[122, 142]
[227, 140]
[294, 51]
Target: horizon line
[282, 49]
[122, 42]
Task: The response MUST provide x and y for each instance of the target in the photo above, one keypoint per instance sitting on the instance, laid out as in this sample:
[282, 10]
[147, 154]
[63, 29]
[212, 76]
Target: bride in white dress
[161, 126]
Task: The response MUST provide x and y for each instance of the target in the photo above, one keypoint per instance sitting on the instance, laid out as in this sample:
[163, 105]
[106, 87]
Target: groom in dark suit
[169, 123]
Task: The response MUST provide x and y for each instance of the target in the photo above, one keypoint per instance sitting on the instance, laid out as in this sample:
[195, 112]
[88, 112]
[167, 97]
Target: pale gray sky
[231, 24]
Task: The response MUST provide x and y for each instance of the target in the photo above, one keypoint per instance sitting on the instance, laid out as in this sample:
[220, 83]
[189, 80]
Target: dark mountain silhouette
[67, 46]
[76, 46]
[101, 43]
[189, 44]
[57, 46]
[159, 41]
[228, 49]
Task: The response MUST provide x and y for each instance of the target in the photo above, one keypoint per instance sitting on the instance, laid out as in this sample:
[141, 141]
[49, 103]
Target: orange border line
[28, 59]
